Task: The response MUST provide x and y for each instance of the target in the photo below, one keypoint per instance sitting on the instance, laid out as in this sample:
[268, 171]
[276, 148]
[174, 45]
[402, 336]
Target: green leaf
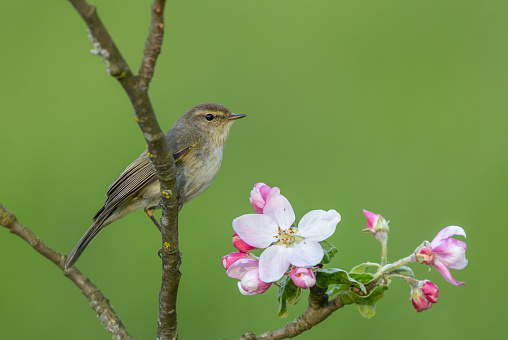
[283, 311]
[329, 249]
[404, 270]
[363, 278]
[294, 293]
[333, 276]
[288, 293]
[360, 269]
[367, 308]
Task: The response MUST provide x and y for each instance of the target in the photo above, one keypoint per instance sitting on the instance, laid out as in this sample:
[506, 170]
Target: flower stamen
[285, 236]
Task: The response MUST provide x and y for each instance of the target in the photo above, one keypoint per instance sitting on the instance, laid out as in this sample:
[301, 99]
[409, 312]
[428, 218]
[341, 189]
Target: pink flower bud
[377, 225]
[430, 291]
[419, 300]
[303, 277]
[425, 255]
[231, 258]
[239, 244]
[258, 196]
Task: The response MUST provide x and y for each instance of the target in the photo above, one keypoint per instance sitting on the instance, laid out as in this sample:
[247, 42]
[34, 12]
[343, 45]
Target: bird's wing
[135, 176]
[183, 141]
[140, 172]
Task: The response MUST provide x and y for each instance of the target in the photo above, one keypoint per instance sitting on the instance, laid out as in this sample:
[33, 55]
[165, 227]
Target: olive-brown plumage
[197, 141]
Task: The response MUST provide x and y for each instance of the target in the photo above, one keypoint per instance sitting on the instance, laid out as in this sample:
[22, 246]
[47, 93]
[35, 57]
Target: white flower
[285, 245]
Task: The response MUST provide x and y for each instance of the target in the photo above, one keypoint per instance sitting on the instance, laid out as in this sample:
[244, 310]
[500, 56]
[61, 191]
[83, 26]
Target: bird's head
[213, 119]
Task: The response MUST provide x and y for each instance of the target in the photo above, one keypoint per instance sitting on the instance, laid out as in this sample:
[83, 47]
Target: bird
[196, 141]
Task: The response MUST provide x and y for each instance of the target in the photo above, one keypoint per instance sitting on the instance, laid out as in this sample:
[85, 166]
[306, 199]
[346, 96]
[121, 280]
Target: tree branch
[318, 310]
[98, 301]
[158, 149]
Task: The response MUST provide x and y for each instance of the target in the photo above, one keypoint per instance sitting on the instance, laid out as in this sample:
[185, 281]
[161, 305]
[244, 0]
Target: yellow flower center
[286, 236]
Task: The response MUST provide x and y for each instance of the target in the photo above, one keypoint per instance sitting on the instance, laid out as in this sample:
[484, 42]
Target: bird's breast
[197, 171]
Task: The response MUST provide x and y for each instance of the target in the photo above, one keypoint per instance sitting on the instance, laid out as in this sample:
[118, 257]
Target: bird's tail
[83, 243]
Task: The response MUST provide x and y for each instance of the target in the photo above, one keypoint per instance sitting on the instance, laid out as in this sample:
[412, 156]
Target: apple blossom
[445, 253]
[284, 243]
[258, 196]
[239, 244]
[303, 277]
[247, 271]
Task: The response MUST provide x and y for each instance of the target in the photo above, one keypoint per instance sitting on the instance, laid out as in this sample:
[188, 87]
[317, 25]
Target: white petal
[307, 253]
[273, 263]
[446, 233]
[318, 225]
[279, 209]
[255, 229]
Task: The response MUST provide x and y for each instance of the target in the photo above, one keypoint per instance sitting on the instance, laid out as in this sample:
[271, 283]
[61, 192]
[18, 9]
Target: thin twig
[98, 301]
[153, 45]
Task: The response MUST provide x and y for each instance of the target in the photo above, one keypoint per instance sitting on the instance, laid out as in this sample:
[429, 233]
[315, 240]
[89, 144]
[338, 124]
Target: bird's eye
[209, 116]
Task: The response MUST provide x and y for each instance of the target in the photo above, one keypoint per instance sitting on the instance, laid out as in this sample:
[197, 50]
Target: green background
[398, 107]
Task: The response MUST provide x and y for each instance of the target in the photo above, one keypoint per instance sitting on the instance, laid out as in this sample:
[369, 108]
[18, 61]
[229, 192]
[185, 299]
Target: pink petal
[451, 252]
[231, 258]
[430, 291]
[256, 203]
[273, 263]
[307, 253]
[441, 268]
[279, 209]
[446, 233]
[264, 190]
[371, 218]
[256, 230]
[238, 269]
[318, 225]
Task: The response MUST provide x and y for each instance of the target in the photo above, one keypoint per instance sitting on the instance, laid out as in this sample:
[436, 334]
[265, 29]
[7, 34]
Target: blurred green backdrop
[399, 107]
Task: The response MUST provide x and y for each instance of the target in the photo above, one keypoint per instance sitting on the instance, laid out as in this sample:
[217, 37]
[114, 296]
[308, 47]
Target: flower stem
[408, 279]
[384, 252]
[387, 268]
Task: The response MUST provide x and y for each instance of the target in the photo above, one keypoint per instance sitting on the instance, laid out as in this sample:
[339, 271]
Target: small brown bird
[197, 141]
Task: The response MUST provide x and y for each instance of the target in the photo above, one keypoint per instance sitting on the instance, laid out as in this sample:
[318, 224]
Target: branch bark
[98, 302]
[160, 154]
[318, 310]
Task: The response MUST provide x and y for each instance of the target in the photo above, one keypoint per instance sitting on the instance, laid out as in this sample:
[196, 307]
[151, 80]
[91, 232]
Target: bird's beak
[235, 116]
